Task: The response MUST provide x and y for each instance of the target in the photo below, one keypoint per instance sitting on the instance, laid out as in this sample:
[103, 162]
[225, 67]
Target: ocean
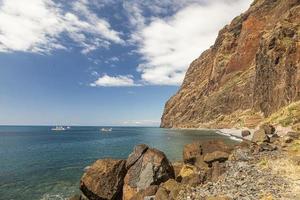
[37, 163]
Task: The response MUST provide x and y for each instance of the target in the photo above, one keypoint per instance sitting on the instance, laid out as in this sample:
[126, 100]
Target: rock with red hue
[104, 180]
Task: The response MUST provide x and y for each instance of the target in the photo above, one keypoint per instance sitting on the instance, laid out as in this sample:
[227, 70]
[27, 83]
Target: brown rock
[186, 171]
[152, 168]
[269, 129]
[216, 156]
[197, 149]
[177, 166]
[104, 180]
[246, 133]
[149, 191]
[217, 170]
[162, 194]
[196, 179]
[260, 136]
[267, 147]
[168, 190]
[296, 160]
[294, 135]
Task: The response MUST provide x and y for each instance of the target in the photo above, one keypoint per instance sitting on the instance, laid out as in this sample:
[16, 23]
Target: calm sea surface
[37, 163]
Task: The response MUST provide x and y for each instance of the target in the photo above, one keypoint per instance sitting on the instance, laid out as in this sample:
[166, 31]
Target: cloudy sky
[100, 62]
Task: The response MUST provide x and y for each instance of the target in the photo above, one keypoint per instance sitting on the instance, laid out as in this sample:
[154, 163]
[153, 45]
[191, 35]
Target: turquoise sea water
[37, 163]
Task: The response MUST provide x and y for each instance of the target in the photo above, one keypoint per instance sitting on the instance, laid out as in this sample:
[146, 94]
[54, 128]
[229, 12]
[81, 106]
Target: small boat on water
[58, 128]
[106, 129]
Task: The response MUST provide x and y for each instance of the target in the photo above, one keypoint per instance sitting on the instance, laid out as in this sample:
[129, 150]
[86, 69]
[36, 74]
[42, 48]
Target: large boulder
[260, 136]
[198, 149]
[137, 153]
[219, 156]
[104, 180]
[151, 168]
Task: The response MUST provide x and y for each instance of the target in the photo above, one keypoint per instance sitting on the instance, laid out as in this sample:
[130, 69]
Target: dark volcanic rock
[104, 180]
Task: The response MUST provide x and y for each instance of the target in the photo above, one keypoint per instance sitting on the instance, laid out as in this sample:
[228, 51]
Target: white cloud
[37, 25]
[169, 45]
[114, 81]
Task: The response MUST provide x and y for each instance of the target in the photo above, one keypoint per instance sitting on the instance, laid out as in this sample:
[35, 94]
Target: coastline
[232, 133]
[209, 170]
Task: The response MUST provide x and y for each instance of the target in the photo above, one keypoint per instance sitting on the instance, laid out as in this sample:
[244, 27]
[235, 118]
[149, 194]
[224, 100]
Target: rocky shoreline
[265, 167]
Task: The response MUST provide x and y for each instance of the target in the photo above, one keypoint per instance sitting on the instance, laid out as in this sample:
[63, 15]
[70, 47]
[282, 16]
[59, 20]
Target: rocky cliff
[251, 72]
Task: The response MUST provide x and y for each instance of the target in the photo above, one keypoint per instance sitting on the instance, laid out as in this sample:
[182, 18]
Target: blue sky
[100, 62]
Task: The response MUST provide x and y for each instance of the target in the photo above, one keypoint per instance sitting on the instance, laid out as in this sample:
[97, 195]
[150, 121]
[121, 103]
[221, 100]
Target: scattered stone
[162, 194]
[267, 147]
[287, 139]
[104, 180]
[217, 170]
[152, 168]
[296, 160]
[216, 156]
[240, 154]
[294, 135]
[260, 136]
[246, 133]
[217, 198]
[196, 179]
[274, 138]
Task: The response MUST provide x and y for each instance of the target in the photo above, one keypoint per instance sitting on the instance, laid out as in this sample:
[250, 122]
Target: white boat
[58, 128]
[106, 129]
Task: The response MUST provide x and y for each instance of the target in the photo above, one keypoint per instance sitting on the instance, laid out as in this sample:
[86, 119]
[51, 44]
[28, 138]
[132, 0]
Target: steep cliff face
[251, 71]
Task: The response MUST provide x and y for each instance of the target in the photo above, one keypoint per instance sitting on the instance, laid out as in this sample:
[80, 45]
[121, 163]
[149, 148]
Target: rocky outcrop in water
[251, 71]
